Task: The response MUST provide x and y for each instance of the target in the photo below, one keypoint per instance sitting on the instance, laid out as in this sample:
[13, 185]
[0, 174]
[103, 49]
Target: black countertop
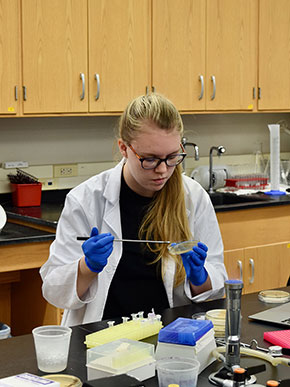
[53, 201]
[17, 354]
[13, 233]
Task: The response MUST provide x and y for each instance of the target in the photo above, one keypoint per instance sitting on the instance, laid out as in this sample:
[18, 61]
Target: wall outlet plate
[65, 170]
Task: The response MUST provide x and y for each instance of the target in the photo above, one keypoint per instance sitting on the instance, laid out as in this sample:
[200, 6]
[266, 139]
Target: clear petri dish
[65, 380]
[198, 316]
[274, 296]
[218, 318]
[182, 247]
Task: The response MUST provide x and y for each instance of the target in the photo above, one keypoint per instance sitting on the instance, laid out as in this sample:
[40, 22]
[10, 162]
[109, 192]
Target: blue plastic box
[184, 331]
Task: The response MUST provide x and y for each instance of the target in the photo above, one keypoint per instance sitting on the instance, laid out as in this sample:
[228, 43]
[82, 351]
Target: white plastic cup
[52, 347]
[177, 370]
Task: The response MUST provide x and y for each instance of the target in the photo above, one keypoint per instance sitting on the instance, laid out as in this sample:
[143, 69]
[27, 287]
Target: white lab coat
[95, 202]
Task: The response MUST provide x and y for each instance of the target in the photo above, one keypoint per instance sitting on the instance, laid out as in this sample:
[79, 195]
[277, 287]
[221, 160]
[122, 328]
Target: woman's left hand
[193, 262]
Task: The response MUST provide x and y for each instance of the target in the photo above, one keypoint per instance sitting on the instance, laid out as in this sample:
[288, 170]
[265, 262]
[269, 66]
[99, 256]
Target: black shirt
[137, 284]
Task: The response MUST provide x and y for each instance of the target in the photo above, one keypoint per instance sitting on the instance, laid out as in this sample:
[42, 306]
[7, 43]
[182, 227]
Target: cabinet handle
[82, 76]
[16, 93]
[254, 93]
[259, 93]
[146, 90]
[214, 87]
[240, 264]
[200, 77]
[24, 93]
[252, 264]
[153, 89]
[97, 78]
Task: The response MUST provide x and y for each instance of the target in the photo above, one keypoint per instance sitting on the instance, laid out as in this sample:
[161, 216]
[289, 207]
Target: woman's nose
[161, 167]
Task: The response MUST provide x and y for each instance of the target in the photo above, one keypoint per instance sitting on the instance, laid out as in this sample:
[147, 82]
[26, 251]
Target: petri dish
[274, 296]
[182, 247]
[65, 380]
[198, 316]
[218, 318]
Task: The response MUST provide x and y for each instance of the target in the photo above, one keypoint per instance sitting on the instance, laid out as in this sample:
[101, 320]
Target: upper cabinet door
[119, 52]
[54, 56]
[9, 56]
[274, 53]
[232, 28]
[178, 63]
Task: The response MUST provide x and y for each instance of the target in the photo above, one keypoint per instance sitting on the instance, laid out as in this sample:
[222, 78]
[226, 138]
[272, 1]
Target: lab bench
[17, 354]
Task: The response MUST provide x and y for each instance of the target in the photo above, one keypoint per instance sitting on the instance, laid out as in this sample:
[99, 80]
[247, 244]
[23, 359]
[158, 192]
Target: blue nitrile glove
[97, 250]
[193, 262]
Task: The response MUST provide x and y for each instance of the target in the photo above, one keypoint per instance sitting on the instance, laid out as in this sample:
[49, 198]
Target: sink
[219, 198]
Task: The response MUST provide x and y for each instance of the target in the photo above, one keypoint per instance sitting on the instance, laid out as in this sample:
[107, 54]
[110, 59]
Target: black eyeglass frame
[142, 159]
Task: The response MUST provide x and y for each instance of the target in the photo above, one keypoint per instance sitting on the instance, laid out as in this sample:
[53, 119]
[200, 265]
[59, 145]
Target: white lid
[120, 355]
[3, 217]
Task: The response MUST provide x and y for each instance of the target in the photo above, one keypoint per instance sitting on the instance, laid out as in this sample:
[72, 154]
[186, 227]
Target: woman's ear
[123, 148]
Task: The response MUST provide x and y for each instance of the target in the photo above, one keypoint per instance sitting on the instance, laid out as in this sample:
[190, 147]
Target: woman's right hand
[97, 250]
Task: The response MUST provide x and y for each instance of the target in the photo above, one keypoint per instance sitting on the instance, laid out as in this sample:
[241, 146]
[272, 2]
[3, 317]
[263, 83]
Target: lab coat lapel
[112, 217]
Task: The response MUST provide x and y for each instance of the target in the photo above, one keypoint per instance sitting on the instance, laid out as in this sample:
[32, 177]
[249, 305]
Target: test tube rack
[136, 329]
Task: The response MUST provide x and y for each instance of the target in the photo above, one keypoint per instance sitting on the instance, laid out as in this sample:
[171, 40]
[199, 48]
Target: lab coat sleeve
[204, 225]
[59, 273]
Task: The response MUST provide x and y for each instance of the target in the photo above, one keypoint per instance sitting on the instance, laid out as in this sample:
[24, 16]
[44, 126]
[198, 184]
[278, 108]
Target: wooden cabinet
[274, 50]
[204, 53]
[178, 46]
[9, 56]
[80, 58]
[119, 53]
[22, 305]
[256, 246]
[54, 36]
[87, 57]
[259, 267]
[231, 52]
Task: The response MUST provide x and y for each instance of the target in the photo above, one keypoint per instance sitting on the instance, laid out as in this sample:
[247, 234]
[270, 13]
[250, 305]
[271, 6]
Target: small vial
[125, 319]
[111, 323]
[141, 314]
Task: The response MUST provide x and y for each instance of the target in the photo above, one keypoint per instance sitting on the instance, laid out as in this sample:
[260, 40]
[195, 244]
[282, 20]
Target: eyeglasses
[153, 162]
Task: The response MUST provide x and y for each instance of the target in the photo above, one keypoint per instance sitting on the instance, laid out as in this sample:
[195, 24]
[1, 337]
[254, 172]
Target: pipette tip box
[123, 356]
[187, 338]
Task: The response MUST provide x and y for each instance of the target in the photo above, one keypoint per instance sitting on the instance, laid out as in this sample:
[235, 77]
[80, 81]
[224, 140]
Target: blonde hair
[166, 218]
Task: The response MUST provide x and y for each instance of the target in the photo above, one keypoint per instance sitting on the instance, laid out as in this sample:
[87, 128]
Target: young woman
[145, 196]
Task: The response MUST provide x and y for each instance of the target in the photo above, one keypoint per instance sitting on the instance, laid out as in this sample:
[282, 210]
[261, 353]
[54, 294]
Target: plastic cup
[177, 370]
[52, 347]
[4, 331]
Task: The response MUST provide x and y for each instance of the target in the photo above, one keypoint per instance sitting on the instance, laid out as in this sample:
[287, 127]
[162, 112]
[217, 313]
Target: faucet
[220, 150]
[185, 143]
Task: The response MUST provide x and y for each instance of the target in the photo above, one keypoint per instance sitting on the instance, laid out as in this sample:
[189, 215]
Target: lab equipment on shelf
[275, 160]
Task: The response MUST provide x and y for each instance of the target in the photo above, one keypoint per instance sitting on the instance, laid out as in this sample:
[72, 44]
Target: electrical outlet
[65, 170]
